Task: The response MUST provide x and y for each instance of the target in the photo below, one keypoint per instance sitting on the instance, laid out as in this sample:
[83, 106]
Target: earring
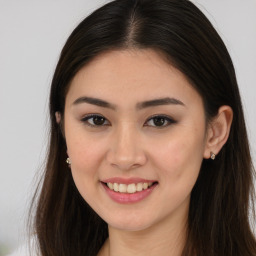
[212, 155]
[68, 161]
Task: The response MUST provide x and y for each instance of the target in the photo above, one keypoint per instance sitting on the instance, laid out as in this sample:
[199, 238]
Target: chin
[130, 224]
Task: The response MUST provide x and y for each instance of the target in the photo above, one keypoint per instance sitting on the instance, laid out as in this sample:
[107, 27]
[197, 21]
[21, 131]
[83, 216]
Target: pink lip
[120, 180]
[127, 198]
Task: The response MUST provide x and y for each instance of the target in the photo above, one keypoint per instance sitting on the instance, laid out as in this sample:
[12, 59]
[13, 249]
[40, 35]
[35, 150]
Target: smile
[129, 188]
[128, 191]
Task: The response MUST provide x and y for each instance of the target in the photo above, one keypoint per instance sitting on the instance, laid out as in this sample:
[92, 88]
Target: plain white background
[32, 34]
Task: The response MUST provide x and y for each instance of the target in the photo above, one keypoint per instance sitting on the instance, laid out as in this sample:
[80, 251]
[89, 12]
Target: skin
[129, 144]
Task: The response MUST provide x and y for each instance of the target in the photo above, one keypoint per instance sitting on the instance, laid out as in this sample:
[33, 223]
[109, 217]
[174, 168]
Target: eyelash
[91, 116]
[167, 121]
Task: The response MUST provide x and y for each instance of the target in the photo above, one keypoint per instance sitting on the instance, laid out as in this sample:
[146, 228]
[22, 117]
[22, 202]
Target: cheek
[85, 162]
[180, 159]
[179, 165]
[86, 157]
[84, 149]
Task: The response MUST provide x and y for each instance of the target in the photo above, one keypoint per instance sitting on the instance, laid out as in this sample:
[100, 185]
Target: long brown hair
[218, 223]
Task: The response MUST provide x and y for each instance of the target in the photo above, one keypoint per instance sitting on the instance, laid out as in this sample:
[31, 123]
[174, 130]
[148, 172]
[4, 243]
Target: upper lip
[121, 180]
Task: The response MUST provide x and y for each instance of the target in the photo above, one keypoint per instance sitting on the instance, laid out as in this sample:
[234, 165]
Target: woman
[148, 151]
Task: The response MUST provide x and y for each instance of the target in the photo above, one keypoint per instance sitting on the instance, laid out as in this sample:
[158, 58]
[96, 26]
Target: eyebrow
[141, 105]
[94, 101]
[159, 102]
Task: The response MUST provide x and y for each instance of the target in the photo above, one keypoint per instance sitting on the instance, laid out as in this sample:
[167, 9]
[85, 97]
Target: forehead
[133, 75]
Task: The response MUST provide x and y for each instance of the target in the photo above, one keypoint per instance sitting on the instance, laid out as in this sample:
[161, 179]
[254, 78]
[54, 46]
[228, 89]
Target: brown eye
[160, 121]
[98, 120]
[95, 120]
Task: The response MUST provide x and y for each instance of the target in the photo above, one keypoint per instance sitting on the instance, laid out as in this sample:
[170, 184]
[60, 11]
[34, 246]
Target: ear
[58, 117]
[59, 121]
[218, 131]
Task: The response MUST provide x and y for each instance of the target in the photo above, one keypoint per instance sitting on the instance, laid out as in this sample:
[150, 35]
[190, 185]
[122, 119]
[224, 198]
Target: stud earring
[68, 161]
[213, 156]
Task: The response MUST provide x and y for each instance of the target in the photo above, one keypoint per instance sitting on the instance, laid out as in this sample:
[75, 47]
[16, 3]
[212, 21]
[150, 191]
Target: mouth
[129, 188]
[126, 192]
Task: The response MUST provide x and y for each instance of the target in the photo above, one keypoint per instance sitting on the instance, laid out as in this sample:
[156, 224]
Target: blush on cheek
[178, 160]
[85, 161]
[175, 154]
[82, 151]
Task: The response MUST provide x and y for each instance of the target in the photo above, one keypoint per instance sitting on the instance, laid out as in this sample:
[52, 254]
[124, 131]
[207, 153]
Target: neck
[165, 238]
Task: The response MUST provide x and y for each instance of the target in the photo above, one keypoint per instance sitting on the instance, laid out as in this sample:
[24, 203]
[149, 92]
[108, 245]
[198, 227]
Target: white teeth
[110, 185]
[116, 187]
[130, 188]
[139, 187]
[145, 185]
[122, 188]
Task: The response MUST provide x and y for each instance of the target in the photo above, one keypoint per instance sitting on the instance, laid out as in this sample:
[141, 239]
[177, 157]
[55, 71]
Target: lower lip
[127, 198]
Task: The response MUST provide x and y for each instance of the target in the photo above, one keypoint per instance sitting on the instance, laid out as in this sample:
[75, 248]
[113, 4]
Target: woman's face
[136, 136]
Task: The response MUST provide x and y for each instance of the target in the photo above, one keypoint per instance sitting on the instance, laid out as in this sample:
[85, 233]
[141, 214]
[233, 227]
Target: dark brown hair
[218, 223]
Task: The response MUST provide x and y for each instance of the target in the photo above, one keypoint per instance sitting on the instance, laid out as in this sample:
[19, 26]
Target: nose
[126, 148]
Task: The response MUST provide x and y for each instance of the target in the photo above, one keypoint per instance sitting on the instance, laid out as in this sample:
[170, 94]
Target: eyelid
[168, 118]
[89, 116]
